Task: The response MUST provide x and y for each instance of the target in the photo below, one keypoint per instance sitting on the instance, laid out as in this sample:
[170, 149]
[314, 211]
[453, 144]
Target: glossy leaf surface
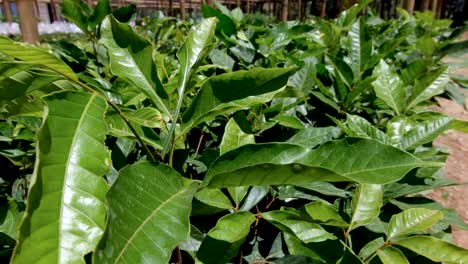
[366, 204]
[149, 209]
[435, 249]
[389, 87]
[65, 216]
[233, 91]
[358, 160]
[411, 221]
[132, 58]
[391, 255]
[224, 240]
[35, 55]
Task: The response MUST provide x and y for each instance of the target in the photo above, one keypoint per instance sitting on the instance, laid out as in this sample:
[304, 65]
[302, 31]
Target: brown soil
[456, 167]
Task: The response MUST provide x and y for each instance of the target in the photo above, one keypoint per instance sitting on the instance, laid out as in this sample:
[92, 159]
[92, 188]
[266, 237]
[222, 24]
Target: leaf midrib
[64, 186]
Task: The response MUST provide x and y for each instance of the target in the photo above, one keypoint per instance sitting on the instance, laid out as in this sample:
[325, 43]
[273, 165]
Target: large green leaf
[149, 209]
[291, 221]
[360, 48]
[119, 129]
[145, 116]
[430, 85]
[32, 55]
[131, 57]
[224, 240]
[65, 214]
[411, 221]
[195, 48]
[100, 12]
[233, 91]
[435, 249]
[389, 87]
[391, 255]
[366, 204]
[360, 160]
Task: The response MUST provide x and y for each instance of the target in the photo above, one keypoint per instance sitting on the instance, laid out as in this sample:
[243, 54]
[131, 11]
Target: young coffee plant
[245, 142]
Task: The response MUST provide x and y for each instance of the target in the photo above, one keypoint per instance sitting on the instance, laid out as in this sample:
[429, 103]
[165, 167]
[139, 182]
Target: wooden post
[323, 11]
[54, 10]
[410, 6]
[90, 2]
[425, 5]
[28, 20]
[299, 9]
[182, 9]
[434, 7]
[284, 14]
[7, 11]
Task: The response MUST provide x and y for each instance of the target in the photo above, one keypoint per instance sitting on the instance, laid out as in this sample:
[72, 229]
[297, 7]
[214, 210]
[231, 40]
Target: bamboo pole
[27, 20]
[7, 11]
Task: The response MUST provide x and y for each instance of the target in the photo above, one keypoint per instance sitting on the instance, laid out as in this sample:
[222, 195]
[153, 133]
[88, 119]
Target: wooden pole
[90, 2]
[323, 11]
[182, 9]
[299, 9]
[7, 11]
[425, 5]
[284, 14]
[27, 20]
[410, 6]
[54, 10]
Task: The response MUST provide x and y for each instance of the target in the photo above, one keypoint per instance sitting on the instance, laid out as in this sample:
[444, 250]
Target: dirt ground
[456, 167]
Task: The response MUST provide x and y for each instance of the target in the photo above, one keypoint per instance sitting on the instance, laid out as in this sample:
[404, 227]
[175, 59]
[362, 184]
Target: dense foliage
[237, 140]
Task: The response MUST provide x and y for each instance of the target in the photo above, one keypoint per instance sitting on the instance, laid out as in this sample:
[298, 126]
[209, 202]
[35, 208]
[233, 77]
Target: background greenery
[234, 140]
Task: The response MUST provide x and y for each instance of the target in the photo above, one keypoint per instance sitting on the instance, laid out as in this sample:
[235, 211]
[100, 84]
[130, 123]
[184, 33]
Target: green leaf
[435, 249]
[101, 10]
[412, 221]
[288, 221]
[391, 255]
[223, 241]
[65, 214]
[195, 48]
[11, 220]
[230, 92]
[119, 129]
[131, 58]
[33, 55]
[360, 48]
[234, 137]
[145, 116]
[412, 132]
[214, 197]
[366, 204]
[149, 209]
[325, 252]
[19, 79]
[363, 128]
[226, 25]
[370, 248]
[430, 85]
[256, 194]
[389, 87]
[325, 214]
[360, 160]
[459, 125]
[347, 17]
[310, 137]
[77, 12]
[124, 13]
